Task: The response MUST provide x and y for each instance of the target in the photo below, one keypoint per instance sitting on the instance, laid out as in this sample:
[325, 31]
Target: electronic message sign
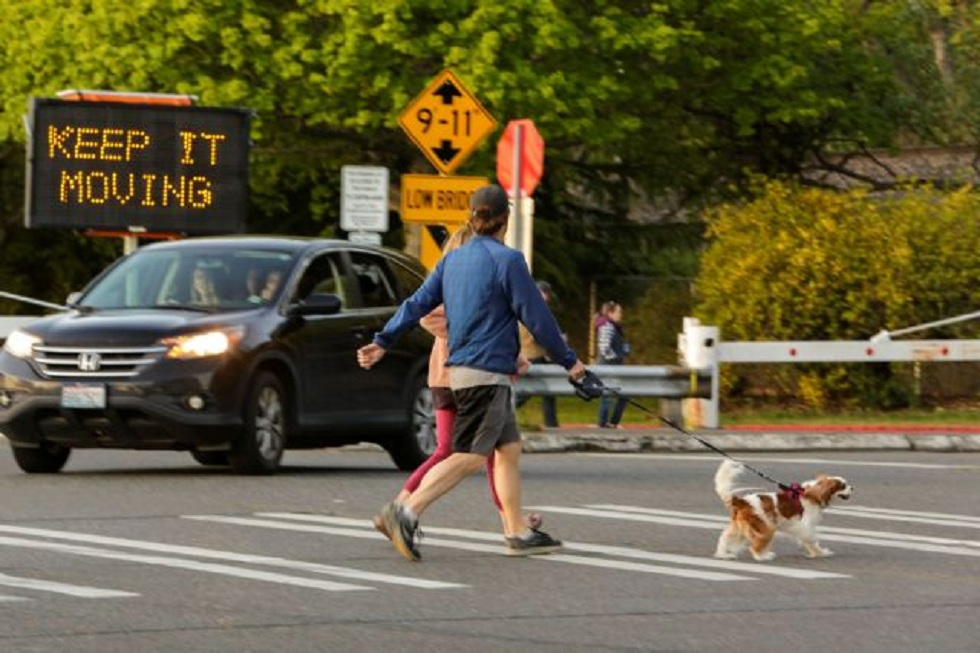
[155, 168]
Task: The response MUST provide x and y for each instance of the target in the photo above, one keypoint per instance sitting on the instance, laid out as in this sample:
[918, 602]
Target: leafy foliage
[808, 264]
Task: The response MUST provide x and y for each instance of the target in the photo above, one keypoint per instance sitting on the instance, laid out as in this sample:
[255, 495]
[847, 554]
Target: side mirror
[72, 299]
[317, 304]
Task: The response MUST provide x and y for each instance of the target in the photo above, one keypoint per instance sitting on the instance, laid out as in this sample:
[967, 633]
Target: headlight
[20, 344]
[201, 345]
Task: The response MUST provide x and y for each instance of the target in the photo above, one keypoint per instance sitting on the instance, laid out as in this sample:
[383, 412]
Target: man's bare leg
[507, 479]
[442, 478]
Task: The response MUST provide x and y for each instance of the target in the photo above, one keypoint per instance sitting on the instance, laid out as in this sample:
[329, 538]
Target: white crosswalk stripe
[80, 591]
[887, 539]
[720, 570]
[226, 556]
[179, 563]
[599, 556]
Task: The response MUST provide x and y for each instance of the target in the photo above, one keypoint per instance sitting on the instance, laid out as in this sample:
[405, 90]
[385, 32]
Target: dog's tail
[728, 471]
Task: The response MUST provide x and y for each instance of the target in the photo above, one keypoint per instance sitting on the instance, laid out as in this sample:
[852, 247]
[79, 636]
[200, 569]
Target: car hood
[120, 328]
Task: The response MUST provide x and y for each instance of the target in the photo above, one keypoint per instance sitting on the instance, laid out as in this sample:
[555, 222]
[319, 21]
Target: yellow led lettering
[136, 139]
[167, 189]
[96, 188]
[85, 146]
[148, 195]
[213, 139]
[187, 140]
[111, 142]
[123, 199]
[199, 191]
[56, 142]
[71, 184]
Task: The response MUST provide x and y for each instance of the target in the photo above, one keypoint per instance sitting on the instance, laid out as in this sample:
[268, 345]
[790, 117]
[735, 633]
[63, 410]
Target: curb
[563, 439]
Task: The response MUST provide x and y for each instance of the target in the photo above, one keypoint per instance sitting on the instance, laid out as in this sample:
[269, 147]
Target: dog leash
[793, 490]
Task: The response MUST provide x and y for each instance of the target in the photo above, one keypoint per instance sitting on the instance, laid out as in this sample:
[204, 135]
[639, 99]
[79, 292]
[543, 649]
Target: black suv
[233, 348]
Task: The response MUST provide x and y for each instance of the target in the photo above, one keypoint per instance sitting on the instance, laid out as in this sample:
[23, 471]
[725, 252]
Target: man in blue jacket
[486, 289]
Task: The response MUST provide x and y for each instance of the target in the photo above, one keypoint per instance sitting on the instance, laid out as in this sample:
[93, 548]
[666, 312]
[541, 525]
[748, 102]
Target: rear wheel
[409, 449]
[47, 459]
[260, 447]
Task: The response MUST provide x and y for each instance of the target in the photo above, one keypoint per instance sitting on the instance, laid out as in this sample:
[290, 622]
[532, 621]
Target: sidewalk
[660, 439]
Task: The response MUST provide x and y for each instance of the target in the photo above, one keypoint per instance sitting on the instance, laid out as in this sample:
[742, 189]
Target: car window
[198, 278]
[375, 281]
[324, 275]
[408, 280]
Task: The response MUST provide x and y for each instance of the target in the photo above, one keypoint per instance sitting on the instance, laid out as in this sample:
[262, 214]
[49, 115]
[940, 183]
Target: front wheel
[410, 448]
[46, 459]
[259, 448]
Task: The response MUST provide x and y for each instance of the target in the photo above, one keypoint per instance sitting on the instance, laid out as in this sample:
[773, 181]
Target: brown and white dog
[755, 518]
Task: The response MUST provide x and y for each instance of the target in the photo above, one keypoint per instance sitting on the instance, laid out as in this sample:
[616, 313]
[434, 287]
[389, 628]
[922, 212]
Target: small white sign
[364, 198]
[364, 237]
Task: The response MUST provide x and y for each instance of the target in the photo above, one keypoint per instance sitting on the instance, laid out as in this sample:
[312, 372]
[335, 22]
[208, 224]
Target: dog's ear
[822, 491]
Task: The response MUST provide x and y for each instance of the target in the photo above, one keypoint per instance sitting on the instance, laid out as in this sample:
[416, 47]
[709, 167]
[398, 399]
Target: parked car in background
[232, 348]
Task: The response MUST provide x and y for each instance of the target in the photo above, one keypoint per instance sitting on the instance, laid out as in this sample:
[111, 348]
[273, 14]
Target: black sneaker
[539, 542]
[400, 530]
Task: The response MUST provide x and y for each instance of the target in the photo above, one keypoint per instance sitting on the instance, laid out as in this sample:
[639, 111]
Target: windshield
[195, 279]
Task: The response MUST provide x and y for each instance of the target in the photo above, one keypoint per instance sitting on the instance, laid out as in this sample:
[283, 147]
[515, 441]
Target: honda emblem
[89, 361]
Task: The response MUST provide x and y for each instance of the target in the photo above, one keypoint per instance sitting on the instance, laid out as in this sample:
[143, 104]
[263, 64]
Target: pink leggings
[444, 447]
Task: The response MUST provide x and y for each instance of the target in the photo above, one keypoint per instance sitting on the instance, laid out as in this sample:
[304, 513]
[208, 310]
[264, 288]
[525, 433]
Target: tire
[47, 459]
[211, 458]
[410, 448]
[260, 447]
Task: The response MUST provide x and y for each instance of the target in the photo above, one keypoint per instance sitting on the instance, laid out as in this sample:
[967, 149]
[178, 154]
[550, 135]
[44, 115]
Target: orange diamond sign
[446, 122]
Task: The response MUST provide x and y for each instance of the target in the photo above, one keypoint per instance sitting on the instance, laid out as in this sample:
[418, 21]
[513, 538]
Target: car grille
[87, 362]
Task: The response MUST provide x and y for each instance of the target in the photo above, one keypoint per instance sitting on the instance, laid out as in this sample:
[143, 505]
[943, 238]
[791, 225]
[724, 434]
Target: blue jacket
[486, 288]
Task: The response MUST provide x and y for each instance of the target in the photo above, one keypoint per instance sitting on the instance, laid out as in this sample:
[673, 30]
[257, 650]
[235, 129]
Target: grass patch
[574, 411]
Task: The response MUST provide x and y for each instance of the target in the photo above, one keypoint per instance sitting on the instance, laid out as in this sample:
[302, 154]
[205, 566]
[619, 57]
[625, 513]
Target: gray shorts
[484, 419]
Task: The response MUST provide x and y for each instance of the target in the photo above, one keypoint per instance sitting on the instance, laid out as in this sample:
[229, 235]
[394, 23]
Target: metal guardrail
[660, 381]
[10, 322]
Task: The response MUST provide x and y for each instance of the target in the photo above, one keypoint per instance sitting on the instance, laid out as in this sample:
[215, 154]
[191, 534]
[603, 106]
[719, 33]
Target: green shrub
[798, 263]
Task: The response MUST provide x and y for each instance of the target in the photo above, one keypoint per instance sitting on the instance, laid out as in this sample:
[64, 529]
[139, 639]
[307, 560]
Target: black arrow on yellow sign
[445, 152]
[447, 91]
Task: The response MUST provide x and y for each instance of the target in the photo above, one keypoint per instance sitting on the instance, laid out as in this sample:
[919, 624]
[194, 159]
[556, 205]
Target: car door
[385, 386]
[325, 346]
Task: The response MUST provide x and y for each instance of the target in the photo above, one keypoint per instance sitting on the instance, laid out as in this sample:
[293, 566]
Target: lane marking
[6, 598]
[178, 563]
[80, 591]
[888, 535]
[781, 460]
[618, 551]
[875, 538]
[230, 556]
[937, 518]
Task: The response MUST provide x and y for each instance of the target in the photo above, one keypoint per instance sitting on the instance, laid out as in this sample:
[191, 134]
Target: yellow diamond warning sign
[446, 122]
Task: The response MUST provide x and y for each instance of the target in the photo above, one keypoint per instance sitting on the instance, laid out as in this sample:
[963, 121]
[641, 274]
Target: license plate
[83, 395]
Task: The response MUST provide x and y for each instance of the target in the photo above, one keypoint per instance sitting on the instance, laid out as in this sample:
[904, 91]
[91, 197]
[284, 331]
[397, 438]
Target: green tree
[671, 103]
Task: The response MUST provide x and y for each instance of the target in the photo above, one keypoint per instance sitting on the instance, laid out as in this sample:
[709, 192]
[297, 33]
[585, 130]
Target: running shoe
[401, 531]
[537, 543]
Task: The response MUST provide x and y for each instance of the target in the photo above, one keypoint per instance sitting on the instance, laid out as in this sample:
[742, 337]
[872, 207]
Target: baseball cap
[489, 202]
